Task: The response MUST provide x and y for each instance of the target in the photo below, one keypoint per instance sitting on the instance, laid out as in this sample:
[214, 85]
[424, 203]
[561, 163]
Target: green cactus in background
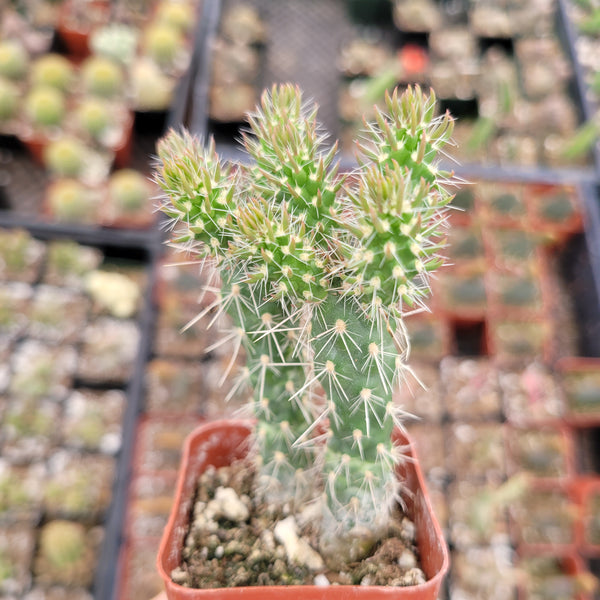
[65, 157]
[95, 116]
[180, 15]
[129, 190]
[318, 272]
[102, 76]
[52, 70]
[45, 106]
[163, 42]
[14, 59]
[70, 201]
[10, 98]
[66, 554]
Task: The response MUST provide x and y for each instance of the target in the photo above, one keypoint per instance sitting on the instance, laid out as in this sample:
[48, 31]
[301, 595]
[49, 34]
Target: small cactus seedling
[318, 271]
[94, 116]
[116, 41]
[163, 43]
[102, 76]
[66, 554]
[52, 70]
[14, 59]
[65, 157]
[9, 99]
[45, 106]
[128, 190]
[177, 14]
[151, 88]
[71, 201]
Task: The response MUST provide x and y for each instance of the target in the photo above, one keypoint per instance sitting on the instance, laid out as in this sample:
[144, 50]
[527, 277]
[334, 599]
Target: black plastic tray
[145, 249]
[309, 37]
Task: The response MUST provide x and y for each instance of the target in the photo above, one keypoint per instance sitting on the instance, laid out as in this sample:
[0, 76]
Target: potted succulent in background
[102, 76]
[117, 41]
[10, 97]
[129, 199]
[44, 111]
[77, 19]
[67, 553]
[107, 125]
[70, 201]
[53, 70]
[318, 272]
[165, 44]
[151, 89]
[14, 60]
[68, 156]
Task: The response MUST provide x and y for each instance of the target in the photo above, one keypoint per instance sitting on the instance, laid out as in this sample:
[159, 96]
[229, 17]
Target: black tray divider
[591, 220]
[567, 31]
[108, 575]
[180, 109]
[202, 65]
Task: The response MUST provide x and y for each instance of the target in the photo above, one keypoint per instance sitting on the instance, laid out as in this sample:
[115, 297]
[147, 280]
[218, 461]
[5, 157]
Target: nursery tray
[303, 40]
[140, 250]
[302, 45]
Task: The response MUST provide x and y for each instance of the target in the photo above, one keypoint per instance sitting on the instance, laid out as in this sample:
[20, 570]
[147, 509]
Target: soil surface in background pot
[235, 541]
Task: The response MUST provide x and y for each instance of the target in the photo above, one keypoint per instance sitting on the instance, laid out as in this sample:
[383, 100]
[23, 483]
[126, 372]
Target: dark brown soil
[223, 553]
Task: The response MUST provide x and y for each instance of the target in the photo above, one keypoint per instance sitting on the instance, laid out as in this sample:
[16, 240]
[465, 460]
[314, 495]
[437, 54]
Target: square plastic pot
[219, 443]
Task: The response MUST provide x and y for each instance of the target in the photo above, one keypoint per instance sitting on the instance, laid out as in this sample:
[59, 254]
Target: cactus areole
[318, 271]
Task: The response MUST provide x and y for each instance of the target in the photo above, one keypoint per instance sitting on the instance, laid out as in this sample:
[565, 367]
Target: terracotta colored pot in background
[219, 443]
[76, 21]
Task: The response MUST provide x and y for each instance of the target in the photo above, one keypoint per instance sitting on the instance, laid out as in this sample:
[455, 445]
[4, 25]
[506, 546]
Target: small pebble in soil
[298, 550]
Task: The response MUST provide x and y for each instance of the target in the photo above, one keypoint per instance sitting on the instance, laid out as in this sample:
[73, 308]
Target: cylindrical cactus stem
[358, 364]
[276, 376]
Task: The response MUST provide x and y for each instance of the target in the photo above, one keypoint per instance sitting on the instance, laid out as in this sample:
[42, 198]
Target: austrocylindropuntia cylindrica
[318, 271]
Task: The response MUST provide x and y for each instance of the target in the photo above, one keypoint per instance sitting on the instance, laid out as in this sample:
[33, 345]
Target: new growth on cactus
[318, 270]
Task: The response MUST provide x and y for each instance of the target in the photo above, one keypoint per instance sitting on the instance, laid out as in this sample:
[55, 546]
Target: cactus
[163, 43]
[151, 88]
[9, 100]
[45, 106]
[176, 13]
[71, 201]
[318, 272]
[129, 190]
[102, 76]
[65, 157]
[116, 41]
[52, 70]
[14, 59]
[66, 554]
[94, 116]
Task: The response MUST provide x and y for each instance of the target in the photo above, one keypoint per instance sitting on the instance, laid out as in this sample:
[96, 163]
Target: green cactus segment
[236, 229]
[298, 185]
[410, 134]
[400, 237]
[200, 191]
[399, 201]
[274, 375]
[290, 163]
[358, 365]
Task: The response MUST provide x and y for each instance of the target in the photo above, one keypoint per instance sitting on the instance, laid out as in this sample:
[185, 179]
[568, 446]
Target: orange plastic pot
[74, 27]
[219, 443]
